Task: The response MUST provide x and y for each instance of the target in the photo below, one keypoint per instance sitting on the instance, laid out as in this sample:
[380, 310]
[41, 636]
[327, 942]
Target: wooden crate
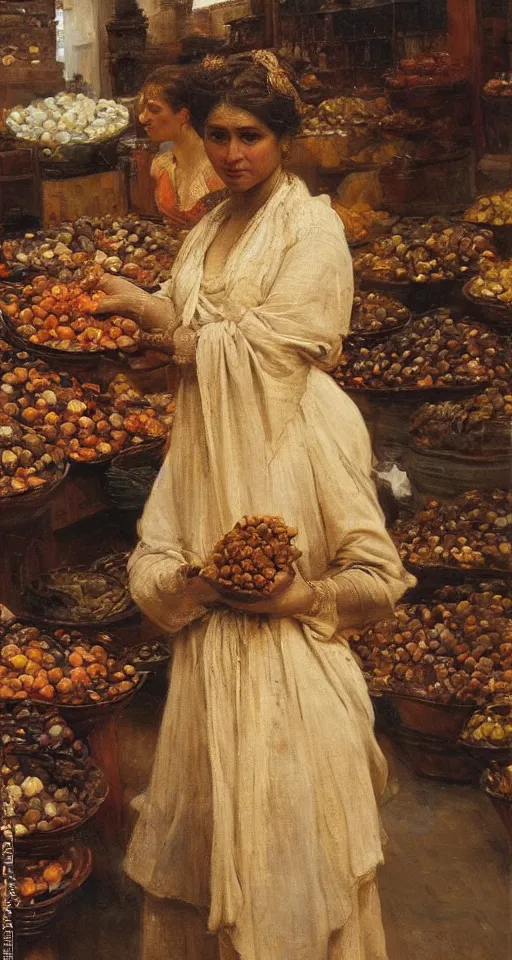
[94, 196]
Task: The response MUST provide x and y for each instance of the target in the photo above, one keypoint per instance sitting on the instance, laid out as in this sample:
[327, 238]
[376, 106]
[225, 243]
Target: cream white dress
[262, 810]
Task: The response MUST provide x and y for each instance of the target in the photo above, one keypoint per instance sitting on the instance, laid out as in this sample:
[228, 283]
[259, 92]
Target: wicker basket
[69, 357]
[435, 759]
[31, 605]
[78, 159]
[31, 919]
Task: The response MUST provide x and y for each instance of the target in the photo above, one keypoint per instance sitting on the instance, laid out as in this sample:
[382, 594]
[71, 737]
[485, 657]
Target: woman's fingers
[112, 305]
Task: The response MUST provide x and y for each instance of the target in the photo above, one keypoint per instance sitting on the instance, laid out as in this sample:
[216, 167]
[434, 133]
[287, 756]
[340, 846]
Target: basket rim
[447, 707]
[485, 304]
[43, 494]
[130, 610]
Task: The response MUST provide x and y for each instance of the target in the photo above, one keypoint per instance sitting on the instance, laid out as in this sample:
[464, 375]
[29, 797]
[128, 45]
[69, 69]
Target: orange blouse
[203, 191]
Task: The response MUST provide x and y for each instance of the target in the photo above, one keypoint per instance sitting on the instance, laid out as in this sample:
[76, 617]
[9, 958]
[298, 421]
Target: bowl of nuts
[423, 262]
[58, 318]
[436, 354]
[375, 315]
[90, 678]
[440, 658]
[490, 294]
[78, 597]
[43, 886]
[488, 733]
[31, 727]
[470, 536]
[46, 800]
[253, 561]
[30, 469]
[494, 212]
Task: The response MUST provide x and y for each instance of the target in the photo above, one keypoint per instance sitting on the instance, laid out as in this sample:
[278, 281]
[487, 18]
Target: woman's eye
[216, 137]
[250, 137]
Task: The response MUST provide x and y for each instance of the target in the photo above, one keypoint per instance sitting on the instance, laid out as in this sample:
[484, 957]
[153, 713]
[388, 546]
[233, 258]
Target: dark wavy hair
[242, 83]
[170, 80]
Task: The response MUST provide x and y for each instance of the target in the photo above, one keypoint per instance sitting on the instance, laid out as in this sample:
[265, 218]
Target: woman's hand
[202, 592]
[123, 297]
[292, 601]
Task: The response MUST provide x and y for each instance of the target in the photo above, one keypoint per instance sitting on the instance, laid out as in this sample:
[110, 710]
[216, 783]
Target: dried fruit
[255, 558]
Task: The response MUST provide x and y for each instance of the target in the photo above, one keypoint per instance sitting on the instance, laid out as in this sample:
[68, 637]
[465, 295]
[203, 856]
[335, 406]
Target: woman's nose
[143, 116]
[234, 150]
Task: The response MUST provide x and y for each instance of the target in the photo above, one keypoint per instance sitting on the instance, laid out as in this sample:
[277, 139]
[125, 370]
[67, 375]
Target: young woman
[261, 819]
[186, 186]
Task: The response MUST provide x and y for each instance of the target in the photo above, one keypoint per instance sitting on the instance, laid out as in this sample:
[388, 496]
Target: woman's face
[242, 150]
[160, 120]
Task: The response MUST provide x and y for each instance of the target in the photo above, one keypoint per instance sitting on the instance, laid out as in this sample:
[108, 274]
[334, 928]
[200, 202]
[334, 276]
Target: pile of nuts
[499, 86]
[433, 69]
[67, 668]
[490, 727]
[35, 728]
[140, 250]
[361, 222]
[480, 423]
[447, 650]
[44, 795]
[433, 351]
[67, 118]
[255, 559]
[36, 879]
[497, 781]
[330, 115]
[495, 210]
[76, 595]
[473, 531]
[426, 252]
[494, 283]
[374, 312]
[60, 316]
[124, 393]
[27, 462]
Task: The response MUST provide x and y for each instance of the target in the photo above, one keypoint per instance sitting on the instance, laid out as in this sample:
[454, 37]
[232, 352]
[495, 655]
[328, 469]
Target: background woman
[186, 186]
[261, 819]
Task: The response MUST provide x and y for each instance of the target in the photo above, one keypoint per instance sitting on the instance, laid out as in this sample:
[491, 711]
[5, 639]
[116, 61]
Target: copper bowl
[443, 721]
[31, 918]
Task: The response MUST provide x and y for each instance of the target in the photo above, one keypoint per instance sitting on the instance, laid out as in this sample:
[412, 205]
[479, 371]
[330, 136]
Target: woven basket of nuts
[254, 560]
[490, 296]
[488, 733]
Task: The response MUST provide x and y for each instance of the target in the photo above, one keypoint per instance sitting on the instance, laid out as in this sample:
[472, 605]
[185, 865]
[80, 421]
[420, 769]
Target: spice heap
[330, 115]
[36, 879]
[426, 252]
[473, 531]
[44, 795]
[137, 249]
[490, 727]
[27, 462]
[494, 283]
[60, 316]
[374, 312]
[495, 210]
[67, 118]
[434, 351]
[498, 782]
[427, 70]
[35, 727]
[256, 558]
[447, 650]
[480, 424]
[65, 667]
[499, 86]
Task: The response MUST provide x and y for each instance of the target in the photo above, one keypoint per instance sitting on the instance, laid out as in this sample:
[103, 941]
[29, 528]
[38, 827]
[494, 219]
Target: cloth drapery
[262, 806]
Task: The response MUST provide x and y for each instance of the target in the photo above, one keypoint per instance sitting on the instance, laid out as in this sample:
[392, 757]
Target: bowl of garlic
[73, 133]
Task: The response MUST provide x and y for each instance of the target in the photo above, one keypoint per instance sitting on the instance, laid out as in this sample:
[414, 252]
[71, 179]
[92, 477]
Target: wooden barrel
[444, 475]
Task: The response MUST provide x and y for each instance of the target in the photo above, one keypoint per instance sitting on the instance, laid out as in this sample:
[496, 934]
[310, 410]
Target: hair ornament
[213, 61]
[277, 78]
